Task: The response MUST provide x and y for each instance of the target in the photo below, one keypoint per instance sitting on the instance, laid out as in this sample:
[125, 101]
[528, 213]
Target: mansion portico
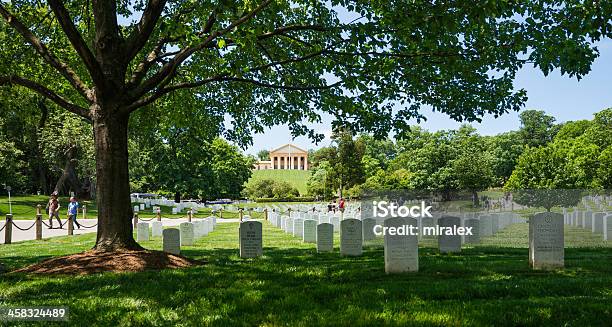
[287, 156]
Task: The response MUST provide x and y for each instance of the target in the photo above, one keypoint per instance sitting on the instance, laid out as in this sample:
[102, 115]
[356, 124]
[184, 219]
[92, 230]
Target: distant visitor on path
[53, 207]
[73, 211]
[331, 206]
[341, 205]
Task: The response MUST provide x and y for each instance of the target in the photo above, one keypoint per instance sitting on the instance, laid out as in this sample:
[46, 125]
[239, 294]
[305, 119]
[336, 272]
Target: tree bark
[112, 186]
[70, 179]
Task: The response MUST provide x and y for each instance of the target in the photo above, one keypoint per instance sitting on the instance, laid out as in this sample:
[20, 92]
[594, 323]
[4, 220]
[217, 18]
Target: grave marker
[475, 225]
[546, 241]
[298, 227]
[607, 228]
[187, 234]
[171, 241]
[310, 231]
[158, 228]
[250, 239]
[401, 251]
[449, 243]
[325, 237]
[368, 229]
[351, 237]
[142, 232]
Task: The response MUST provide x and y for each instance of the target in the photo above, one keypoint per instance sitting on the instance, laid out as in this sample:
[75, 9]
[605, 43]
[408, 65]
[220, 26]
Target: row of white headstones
[597, 222]
[174, 238]
[401, 251]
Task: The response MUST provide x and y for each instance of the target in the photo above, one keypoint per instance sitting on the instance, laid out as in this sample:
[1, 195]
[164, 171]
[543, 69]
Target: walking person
[73, 210]
[341, 204]
[53, 207]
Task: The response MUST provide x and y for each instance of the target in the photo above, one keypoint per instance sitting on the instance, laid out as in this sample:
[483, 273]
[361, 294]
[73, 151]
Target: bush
[269, 188]
[284, 190]
[261, 188]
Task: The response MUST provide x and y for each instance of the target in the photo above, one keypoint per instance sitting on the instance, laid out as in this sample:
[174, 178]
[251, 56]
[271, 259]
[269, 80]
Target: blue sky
[560, 96]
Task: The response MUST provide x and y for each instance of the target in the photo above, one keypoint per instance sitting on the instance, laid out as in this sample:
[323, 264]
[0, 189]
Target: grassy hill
[297, 178]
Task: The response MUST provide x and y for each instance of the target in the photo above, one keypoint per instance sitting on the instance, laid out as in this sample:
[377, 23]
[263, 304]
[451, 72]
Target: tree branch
[77, 41]
[47, 55]
[224, 78]
[281, 30]
[140, 36]
[46, 92]
[168, 69]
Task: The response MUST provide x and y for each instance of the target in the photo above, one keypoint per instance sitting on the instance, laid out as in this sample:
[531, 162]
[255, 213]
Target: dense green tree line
[541, 154]
[44, 149]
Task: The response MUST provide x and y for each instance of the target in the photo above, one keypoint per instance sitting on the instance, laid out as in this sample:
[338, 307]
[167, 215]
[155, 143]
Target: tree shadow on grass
[297, 286]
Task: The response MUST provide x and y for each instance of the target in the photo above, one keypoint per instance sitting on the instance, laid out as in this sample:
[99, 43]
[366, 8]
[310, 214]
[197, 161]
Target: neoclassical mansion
[287, 156]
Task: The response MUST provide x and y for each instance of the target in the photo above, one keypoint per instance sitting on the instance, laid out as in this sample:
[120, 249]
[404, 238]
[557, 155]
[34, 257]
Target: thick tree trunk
[69, 181]
[112, 185]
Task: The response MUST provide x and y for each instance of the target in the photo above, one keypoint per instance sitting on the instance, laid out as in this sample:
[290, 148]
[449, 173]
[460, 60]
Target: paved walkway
[19, 235]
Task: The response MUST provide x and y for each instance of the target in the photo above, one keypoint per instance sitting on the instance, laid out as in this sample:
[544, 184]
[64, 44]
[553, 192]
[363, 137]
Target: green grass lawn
[292, 285]
[297, 178]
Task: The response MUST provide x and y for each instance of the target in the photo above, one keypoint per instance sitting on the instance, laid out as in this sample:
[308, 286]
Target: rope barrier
[47, 225]
[143, 219]
[94, 225]
[21, 229]
[1, 229]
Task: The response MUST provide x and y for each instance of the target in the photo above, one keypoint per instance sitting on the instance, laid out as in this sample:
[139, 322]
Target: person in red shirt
[341, 205]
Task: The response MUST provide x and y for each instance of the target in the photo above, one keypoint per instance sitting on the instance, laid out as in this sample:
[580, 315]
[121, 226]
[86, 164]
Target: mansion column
[306, 163]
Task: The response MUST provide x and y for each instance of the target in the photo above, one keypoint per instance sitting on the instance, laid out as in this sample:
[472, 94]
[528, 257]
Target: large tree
[266, 62]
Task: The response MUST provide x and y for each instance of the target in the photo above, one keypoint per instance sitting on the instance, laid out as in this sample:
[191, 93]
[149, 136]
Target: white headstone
[206, 226]
[171, 241]
[142, 232]
[401, 251]
[449, 242]
[486, 225]
[158, 228]
[546, 241]
[607, 228]
[598, 222]
[325, 237]
[251, 245]
[187, 234]
[298, 227]
[474, 224]
[289, 225]
[427, 223]
[310, 231]
[336, 222]
[588, 220]
[136, 208]
[142, 206]
[351, 237]
[368, 229]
